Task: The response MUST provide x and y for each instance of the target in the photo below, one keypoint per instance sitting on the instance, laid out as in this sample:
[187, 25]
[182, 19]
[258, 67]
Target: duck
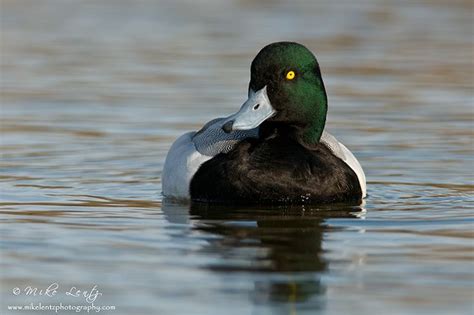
[274, 149]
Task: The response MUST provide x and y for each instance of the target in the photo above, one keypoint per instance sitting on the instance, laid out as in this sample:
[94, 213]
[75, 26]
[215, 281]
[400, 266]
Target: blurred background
[93, 93]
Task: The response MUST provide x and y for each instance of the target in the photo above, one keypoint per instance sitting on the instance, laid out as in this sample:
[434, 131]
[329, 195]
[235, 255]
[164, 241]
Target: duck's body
[270, 151]
[210, 165]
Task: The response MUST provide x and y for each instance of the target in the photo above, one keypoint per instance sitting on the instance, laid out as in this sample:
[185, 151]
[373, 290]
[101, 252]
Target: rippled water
[94, 93]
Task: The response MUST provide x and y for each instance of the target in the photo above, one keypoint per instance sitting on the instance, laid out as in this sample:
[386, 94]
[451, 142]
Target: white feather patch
[182, 162]
[344, 154]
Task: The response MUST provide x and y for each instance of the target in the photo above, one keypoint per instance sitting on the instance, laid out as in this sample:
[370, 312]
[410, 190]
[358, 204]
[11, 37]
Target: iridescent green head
[285, 89]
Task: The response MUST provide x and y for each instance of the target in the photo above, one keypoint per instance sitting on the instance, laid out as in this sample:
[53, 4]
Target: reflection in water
[285, 241]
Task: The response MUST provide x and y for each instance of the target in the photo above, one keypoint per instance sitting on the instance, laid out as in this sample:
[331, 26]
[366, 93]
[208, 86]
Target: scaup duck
[274, 149]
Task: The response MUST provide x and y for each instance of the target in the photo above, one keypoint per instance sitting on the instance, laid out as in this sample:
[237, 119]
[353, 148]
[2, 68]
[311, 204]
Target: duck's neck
[307, 134]
[310, 133]
[313, 115]
[309, 124]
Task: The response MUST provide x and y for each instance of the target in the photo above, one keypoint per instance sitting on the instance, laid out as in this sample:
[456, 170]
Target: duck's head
[285, 89]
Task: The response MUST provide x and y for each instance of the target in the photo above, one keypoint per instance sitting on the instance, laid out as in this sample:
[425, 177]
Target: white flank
[344, 154]
[182, 162]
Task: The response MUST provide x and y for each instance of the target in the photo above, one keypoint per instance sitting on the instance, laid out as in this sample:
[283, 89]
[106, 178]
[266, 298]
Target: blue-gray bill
[253, 112]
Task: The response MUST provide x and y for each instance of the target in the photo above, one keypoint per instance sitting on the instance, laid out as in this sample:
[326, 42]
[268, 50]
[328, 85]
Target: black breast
[276, 170]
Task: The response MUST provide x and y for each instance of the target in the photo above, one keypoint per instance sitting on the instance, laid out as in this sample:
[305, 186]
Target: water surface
[95, 92]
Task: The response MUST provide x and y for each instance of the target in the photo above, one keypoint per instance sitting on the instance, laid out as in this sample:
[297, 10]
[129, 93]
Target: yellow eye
[290, 75]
